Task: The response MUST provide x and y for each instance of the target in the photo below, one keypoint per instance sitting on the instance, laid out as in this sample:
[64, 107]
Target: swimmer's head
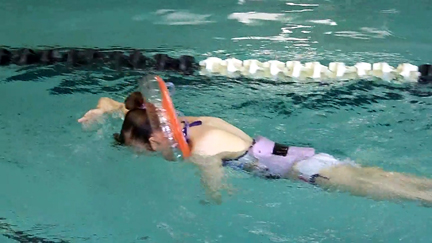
[137, 130]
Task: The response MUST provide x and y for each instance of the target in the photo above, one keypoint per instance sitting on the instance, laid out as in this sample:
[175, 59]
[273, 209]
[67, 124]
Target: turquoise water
[60, 181]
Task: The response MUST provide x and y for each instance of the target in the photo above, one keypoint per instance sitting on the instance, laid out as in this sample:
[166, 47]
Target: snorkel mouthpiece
[155, 91]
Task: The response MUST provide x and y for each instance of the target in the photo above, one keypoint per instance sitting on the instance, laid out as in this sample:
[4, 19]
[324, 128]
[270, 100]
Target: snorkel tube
[155, 91]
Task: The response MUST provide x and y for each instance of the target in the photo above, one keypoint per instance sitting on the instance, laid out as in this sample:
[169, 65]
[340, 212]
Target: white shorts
[310, 168]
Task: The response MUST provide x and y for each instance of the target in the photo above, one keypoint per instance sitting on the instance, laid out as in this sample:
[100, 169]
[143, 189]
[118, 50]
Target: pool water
[60, 181]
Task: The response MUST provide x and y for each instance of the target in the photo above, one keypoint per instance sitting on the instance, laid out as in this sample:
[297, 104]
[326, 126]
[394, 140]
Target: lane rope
[314, 71]
[231, 67]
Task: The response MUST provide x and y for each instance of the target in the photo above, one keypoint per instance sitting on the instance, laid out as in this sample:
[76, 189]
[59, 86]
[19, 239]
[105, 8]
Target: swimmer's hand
[217, 200]
[105, 105]
[213, 191]
[214, 196]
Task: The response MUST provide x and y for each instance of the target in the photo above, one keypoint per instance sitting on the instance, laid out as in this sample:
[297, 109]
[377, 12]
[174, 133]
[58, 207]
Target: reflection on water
[302, 4]
[296, 15]
[252, 17]
[245, 26]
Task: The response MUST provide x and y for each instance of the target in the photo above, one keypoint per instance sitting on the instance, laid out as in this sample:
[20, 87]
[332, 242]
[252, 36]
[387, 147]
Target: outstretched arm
[109, 105]
[105, 105]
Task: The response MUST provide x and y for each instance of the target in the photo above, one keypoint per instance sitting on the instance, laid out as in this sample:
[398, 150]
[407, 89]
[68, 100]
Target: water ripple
[252, 17]
[175, 17]
[302, 4]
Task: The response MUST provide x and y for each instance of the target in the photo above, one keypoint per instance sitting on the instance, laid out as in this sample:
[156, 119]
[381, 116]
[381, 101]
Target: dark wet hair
[137, 124]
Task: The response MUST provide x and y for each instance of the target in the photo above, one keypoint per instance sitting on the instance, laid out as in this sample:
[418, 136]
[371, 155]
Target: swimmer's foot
[91, 116]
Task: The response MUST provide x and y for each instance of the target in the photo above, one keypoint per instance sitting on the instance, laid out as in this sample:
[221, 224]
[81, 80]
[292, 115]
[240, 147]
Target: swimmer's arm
[211, 172]
[212, 146]
[108, 105]
[105, 105]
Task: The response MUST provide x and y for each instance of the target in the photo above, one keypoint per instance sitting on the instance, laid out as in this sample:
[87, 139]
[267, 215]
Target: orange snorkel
[156, 92]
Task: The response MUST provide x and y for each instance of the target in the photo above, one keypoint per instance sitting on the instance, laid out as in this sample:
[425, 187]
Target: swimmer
[228, 146]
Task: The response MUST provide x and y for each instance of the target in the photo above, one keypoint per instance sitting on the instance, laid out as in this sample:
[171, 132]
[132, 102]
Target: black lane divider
[115, 59]
[118, 60]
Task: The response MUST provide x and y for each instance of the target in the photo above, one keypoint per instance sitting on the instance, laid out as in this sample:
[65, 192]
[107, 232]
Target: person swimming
[228, 146]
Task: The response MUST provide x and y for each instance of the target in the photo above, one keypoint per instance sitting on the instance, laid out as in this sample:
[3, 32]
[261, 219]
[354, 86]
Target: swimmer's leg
[376, 183]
